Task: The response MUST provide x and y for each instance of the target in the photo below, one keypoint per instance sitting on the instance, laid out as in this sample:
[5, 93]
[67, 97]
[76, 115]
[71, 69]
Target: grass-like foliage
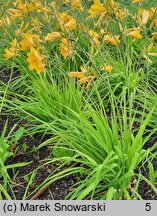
[83, 74]
[104, 148]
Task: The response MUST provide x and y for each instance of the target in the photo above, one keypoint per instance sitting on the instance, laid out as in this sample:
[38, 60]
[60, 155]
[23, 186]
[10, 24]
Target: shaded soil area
[7, 75]
[37, 171]
[145, 190]
[37, 168]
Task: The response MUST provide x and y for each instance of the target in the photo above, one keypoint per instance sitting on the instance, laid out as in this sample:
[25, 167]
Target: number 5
[148, 207]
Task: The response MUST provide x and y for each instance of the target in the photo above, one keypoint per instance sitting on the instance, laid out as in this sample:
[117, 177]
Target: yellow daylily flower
[63, 48]
[35, 61]
[82, 76]
[142, 17]
[134, 33]
[136, 1]
[9, 54]
[71, 24]
[23, 8]
[76, 4]
[37, 39]
[120, 27]
[27, 41]
[112, 40]
[79, 74]
[30, 7]
[76, 74]
[67, 21]
[97, 8]
[14, 44]
[16, 13]
[147, 50]
[107, 68]
[64, 17]
[154, 22]
[83, 80]
[121, 14]
[146, 53]
[95, 37]
[52, 36]
[145, 17]
[7, 21]
[102, 32]
[66, 48]
[111, 7]
[12, 51]
[1, 23]
[152, 12]
[40, 8]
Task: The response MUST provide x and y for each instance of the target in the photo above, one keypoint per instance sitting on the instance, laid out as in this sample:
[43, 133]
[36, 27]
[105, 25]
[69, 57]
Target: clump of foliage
[87, 77]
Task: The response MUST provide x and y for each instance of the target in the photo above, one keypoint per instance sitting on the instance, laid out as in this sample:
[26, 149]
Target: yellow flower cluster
[29, 34]
[84, 76]
[35, 26]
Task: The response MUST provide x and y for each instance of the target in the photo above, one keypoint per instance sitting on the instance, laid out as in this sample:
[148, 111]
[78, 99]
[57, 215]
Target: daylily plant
[32, 35]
